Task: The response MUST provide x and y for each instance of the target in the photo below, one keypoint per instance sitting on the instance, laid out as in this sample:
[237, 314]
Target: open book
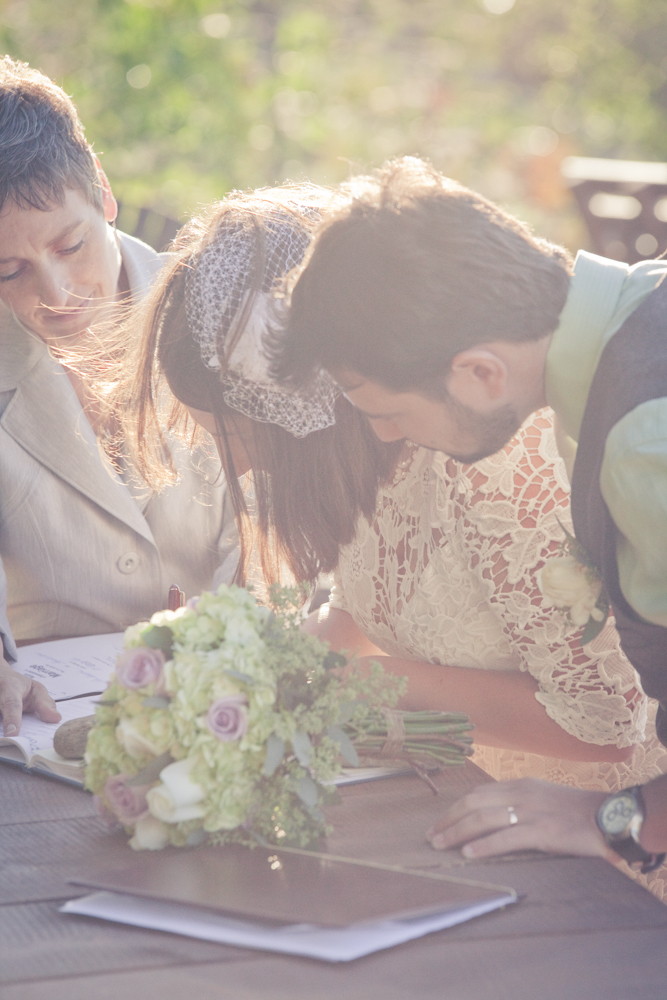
[75, 672]
[287, 900]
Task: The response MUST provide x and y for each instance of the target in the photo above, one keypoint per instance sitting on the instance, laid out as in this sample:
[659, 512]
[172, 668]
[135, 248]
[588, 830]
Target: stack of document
[291, 901]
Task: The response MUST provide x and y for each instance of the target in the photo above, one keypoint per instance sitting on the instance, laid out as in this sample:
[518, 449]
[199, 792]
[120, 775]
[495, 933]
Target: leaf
[346, 710]
[303, 748]
[156, 701]
[151, 772]
[159, 637]
[196, 838]
[275, 749]
[238, 675]
[345, 745]
[333, 660]
[592, 628]
[308, 791]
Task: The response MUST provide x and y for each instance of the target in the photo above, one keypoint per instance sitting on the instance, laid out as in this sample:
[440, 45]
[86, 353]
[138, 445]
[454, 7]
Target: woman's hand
[525, 814]
[20, 694]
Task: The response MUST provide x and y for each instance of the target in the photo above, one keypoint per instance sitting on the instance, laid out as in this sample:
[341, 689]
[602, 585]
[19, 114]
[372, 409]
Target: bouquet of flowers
[225, 722]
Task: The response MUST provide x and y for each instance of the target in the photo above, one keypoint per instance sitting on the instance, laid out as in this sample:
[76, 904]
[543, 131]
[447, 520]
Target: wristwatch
[620, 819]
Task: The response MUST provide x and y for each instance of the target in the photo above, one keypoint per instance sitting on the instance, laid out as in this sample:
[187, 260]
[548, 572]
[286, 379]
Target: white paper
[75, 672]
[357, 775]
[331, 944]
[70, 668]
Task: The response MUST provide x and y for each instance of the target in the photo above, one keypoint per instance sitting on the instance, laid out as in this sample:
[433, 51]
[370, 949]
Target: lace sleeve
[511, 516]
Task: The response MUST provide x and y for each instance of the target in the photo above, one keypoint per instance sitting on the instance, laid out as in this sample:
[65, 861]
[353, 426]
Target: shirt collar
[589, 318]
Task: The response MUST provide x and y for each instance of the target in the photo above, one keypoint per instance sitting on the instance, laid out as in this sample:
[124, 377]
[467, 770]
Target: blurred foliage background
[185, 99]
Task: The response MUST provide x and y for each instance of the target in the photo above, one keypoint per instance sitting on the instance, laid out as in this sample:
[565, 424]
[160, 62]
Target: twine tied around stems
[425, 740]
[393, 745]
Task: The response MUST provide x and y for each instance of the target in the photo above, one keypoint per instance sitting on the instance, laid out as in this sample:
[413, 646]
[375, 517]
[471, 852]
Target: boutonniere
[571, 583]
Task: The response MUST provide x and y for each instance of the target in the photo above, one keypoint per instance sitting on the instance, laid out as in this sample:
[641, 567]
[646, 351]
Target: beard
[492, 431]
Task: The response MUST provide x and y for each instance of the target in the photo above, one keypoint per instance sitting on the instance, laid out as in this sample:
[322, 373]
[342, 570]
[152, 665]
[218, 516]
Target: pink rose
[137, 668]
[103, 811]
[126, 802]
[227, 717]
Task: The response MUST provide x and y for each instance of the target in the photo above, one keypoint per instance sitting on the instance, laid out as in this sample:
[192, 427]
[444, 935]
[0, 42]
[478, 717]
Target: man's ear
[109, 203]
[478, 379]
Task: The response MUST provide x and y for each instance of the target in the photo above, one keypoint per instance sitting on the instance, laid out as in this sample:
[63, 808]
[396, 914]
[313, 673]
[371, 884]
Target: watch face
[617, 812]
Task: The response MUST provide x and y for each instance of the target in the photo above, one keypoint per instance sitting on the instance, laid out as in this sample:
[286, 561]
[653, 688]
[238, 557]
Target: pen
[73, 697]
[175, 598]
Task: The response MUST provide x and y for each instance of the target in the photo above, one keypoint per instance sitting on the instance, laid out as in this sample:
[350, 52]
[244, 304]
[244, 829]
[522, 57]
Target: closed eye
[10, 277]
[74, 249]
[65, 252]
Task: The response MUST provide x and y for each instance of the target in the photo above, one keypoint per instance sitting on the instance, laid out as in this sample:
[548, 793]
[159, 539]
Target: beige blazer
[81, 551]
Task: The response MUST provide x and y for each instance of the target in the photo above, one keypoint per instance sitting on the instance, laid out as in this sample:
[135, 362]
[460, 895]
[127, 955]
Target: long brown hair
[303, 496]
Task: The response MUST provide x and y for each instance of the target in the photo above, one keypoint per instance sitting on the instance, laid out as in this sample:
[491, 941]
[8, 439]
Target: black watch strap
[634, 854]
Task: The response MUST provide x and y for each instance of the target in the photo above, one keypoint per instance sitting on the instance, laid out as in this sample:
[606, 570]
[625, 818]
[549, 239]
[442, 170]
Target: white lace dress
[447, 573]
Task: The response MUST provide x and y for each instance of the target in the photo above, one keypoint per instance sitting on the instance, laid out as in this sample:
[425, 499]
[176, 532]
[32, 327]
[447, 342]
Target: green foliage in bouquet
[224, 721]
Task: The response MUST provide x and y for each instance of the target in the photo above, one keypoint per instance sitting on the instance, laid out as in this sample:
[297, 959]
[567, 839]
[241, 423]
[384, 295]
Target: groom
[447, 322]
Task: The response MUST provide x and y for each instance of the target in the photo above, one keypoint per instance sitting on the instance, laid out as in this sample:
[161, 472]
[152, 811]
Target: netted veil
[235, 308]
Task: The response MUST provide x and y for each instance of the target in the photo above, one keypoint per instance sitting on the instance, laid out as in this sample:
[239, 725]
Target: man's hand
[20, 694]
[526, 814]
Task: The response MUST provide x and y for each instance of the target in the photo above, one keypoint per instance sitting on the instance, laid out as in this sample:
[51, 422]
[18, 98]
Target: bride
[436, 564]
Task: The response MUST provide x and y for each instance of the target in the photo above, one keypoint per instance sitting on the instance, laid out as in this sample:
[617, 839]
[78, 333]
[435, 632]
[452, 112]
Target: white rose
[149, 835]
[567, 583]
[177, 798]
[134, 742]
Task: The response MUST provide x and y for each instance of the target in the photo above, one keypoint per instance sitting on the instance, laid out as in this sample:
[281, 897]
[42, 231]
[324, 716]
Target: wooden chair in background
[623, 203]
[148, 225]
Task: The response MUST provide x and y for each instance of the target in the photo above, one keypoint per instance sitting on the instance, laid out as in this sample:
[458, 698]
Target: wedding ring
[512, 816]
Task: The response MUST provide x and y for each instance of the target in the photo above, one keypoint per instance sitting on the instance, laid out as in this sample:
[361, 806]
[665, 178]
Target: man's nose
[386, 430]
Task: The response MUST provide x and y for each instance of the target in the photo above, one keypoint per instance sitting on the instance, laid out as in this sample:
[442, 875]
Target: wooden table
[583, 931]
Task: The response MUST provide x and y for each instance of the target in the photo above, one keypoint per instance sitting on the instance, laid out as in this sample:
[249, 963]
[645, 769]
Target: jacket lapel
[67, 445]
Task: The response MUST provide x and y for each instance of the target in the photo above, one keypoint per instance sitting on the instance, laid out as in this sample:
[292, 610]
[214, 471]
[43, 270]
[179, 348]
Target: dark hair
[307, 493]
[413, 270]
[43, 148]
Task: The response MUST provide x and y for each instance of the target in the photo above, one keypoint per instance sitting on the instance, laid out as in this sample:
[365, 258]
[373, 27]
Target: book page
[69, 668]
[52, 764]
[37, 736]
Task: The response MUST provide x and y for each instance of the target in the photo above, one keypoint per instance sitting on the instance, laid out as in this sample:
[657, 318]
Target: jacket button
[128, 563]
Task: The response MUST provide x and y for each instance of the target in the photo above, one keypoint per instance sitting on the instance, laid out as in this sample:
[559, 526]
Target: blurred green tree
[185, 99]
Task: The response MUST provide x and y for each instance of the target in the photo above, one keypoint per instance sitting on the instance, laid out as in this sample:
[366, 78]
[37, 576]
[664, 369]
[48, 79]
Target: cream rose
[149, 835]
[177, 797]
[568, 584]
[136, 742]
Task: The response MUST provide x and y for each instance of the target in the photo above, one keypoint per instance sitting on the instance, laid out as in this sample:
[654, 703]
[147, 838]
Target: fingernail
[10, 730]
[468, 851]
[437, 841]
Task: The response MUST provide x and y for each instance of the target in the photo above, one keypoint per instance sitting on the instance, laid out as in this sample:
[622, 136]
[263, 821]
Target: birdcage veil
[235, 311]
